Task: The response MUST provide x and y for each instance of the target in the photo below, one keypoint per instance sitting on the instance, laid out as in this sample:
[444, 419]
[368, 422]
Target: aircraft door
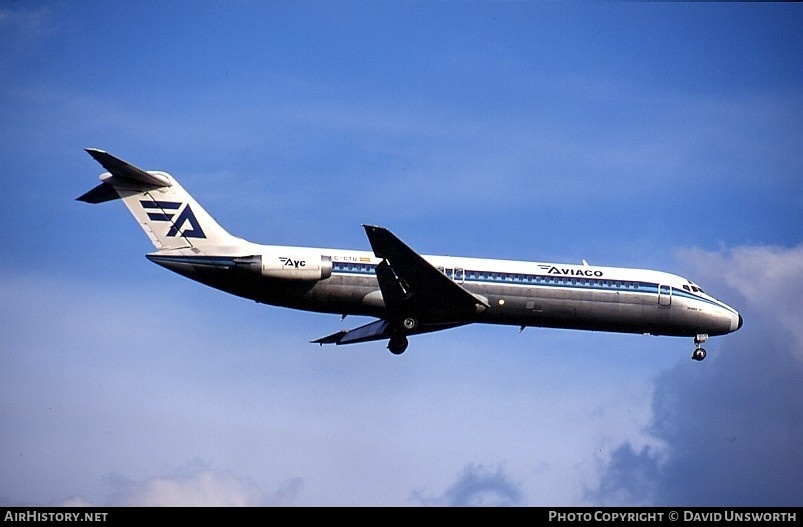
[664, 295]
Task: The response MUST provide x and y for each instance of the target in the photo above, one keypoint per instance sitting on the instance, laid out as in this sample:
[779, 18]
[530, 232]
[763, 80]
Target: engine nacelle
[295, 265]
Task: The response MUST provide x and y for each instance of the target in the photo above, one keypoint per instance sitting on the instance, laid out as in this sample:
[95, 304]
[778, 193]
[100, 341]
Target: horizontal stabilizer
[100, 194]
[120, 174]
[122, 170]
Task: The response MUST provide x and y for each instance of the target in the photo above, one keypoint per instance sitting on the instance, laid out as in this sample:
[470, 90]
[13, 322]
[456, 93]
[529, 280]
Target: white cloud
[195, 485]
[770, 279]
[730, 425]
[200, 486]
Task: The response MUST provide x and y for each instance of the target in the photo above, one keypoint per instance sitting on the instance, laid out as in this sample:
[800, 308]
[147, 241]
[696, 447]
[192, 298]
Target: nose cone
[736, 322]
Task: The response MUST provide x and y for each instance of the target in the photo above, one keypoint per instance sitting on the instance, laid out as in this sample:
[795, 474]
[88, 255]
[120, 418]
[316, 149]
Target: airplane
[407, 293]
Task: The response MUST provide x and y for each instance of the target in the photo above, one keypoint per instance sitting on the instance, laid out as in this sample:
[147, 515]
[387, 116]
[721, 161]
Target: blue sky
[652, 135]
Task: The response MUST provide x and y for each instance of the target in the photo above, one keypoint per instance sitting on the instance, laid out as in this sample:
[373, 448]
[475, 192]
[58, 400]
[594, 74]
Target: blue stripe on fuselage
[528, 280]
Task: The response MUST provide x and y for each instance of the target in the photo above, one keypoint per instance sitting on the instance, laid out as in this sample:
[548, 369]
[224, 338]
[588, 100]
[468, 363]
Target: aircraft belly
[344, 294]
[568, 308]
[336, 294]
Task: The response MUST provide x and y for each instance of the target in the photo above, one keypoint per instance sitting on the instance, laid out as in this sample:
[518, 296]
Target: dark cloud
[477, 485]
[731, 426]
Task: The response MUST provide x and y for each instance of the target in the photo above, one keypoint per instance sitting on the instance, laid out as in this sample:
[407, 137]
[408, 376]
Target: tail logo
[166, 210]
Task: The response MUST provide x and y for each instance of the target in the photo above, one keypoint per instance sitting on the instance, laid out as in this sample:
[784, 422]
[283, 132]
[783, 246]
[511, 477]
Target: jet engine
[301, 266]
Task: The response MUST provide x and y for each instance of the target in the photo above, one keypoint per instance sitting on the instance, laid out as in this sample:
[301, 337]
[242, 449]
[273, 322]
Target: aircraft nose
[736, 322]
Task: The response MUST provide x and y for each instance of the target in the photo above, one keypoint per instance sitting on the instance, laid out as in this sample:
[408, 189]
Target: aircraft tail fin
[167, 213]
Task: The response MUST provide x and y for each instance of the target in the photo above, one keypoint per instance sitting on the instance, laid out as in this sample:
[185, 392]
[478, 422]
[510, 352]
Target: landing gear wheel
[397, 345]
[410, 323]
[699, 353]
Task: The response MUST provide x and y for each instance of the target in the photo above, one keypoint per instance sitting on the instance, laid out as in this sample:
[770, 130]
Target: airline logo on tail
[166, 210]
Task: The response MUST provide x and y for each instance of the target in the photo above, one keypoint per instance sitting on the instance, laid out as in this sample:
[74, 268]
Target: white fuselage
[517, 292]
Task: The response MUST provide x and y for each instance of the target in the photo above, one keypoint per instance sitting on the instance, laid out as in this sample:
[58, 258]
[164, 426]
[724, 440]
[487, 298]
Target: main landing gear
[398, 343]
[699, 353]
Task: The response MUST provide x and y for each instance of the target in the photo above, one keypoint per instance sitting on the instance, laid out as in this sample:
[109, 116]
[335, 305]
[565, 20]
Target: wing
[411, 286]
[418, 297]
[376, 330]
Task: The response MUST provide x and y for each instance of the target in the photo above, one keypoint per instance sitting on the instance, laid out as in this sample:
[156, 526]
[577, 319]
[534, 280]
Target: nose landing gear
[699, 353]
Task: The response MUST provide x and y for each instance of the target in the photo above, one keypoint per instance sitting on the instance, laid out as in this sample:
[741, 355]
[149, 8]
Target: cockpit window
[693, 287]
[697, 289]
